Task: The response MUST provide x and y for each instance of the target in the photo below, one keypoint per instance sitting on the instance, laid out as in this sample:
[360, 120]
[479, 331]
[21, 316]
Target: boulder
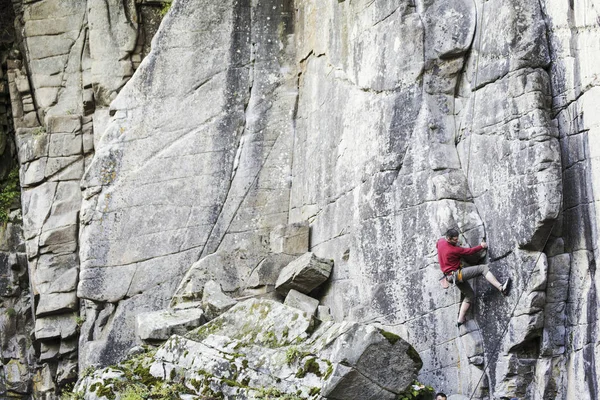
[302, 302]
[264, 349]
[324, 313]
[304, 274]
[160, 325]
[214, 301]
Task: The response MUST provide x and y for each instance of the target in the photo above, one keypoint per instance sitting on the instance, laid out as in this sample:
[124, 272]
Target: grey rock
[16, 376]
[324, 314]
[53, 303]
[68, 346]
[220, 267]
[381, 124]
[304, 274]
[160, 325]
[302, 302]
[54, 327]
[42, 380]
[214, 301]
[49, 351]
[67, 371]
[267, 271]
[134, 351]
[272, 341]
[290, 239]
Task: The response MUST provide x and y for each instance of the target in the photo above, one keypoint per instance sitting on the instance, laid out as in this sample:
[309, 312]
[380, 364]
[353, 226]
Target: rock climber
[441, 396]
[449, 255]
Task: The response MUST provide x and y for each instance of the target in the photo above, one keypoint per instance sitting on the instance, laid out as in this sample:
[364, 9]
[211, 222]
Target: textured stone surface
[302, 302]
[372, 125]
[263, 348]
[290, 239]
[160, 325]
[214, 301]
[304, 274]
[231, 165]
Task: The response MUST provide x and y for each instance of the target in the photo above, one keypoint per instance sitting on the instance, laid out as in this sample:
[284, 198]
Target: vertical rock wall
[380, 123]
[572, 331]
[16, 347]
[414, 138]
[62, 73]
[194, 160]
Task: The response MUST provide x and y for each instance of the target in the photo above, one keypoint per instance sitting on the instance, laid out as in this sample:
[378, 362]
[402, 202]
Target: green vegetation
[292, 354]
[10, 312]
[310, 366]
[38, 131]
[165, 8]
[416, 391]
[69, 395]
[10, 190]
[273, 393]
[391, 337]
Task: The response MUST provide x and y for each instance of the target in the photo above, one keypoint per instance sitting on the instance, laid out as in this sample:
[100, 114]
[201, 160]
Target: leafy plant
[416, 391]
[10, 190]
[165, 8]
[292, 354]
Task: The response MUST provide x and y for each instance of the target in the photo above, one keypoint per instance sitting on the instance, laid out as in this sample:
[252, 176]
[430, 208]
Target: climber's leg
[467, 291]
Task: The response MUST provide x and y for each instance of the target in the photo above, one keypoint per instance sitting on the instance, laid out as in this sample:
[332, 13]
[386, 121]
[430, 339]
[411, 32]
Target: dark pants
[468, 273]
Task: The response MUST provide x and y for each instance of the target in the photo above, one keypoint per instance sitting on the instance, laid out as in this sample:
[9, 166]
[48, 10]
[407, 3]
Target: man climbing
[449, 255]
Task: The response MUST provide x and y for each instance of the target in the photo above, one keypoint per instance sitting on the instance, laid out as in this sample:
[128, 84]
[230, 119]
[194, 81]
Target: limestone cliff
[379, 123]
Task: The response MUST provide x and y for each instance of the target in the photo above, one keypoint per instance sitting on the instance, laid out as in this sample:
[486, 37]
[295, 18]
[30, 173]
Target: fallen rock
[302, 302]
[324, 313]
[214, 301]
[304, 274]
[160, 325]
[220, 267]
[268, 270]
[263, 349]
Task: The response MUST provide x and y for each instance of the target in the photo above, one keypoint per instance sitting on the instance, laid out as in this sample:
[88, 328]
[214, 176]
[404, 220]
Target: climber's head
[452, 236]
[441, 396]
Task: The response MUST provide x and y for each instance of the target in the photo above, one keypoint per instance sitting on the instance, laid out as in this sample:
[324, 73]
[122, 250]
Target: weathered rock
[268, 270]
[268, 348]
[302, 302]
[304, 274]
[324, 313]
[214, 301]
[382, 124]
[160, 325]
[220, 267]
[17, 376]
[55, 327]
[290, 239]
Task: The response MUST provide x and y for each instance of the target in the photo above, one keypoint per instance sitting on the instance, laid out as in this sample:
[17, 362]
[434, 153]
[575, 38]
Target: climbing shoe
[505, 290]
[459, 324]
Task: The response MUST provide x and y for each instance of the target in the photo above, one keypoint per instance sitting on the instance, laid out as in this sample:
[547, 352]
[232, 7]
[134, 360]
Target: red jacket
[449, 255]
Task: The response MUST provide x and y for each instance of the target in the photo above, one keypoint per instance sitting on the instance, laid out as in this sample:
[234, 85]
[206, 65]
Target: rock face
[64, 62]
[254, 132]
